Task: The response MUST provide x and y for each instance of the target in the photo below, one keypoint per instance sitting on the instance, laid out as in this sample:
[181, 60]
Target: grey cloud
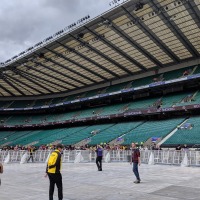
[24, 23]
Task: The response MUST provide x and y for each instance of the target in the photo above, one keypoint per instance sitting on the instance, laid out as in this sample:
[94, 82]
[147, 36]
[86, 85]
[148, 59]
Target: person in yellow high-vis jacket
[53, 172]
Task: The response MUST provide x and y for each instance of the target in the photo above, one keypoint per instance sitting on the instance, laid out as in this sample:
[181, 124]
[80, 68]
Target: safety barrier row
[170, 157]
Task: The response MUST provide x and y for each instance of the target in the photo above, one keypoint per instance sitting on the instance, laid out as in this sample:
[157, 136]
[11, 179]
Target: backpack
[1, 168]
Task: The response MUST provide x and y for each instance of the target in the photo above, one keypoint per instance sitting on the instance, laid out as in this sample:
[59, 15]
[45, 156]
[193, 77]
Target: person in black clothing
[53, 172]
[30, 150]
[1, 171]
[99, 157]
[178, 148]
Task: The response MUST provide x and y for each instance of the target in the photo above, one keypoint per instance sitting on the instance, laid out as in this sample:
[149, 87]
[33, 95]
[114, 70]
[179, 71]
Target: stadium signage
[8, 109]
[44, 106]
[132, 113]
[59, 104]
[75, 101]
[30, 108]
[193, 76]
[94, 97]
[141, 87]
[109, 94]
[168, 109]
[157, 84]
[128, 90]
[196, 106]
[66, 102]
[151, 111]
[104, 117]
[103, 95]
[112, 93]
[38, 107]
[176, 80]
[84, 99]
[18, 108]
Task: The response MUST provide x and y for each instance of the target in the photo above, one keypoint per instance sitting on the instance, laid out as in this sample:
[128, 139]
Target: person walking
[1, 171]
[136, 161]
[99, 157]
[30, 150]
[53, 172]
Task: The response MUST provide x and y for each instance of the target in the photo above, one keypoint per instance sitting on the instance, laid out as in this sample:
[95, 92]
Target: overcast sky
[24, 23]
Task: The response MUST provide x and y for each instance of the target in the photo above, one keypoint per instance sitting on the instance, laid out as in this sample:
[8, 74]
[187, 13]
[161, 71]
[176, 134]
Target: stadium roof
[134, 37]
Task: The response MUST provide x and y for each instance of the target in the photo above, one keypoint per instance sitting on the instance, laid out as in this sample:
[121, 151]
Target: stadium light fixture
[139, 6]
[80, 35]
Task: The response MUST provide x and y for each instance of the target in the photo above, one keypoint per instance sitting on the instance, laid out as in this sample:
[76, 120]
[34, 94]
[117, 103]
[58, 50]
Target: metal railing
[166, 157]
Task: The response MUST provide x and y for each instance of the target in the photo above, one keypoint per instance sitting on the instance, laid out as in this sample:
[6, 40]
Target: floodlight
[139, 6]
[80, 35]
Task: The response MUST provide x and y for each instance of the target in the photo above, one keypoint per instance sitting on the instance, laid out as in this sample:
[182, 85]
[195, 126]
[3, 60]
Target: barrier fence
[169, 157]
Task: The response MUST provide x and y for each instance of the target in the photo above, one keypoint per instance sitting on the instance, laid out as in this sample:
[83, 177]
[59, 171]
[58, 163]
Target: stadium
[132, 74]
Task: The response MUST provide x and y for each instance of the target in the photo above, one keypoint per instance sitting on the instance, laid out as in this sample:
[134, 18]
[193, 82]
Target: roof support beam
[8, 91]
[194, 11]
[16, 88]
[5, 89]
[40, 78]
[55, 63]
[32, 80]
[153, 37]
[119, 51]
[27, 85]
[98, 53]
[53, 70]
[48, 75]
[17, 83]
[136, 46]
[67, 68]
[85, 58]
[174, 28]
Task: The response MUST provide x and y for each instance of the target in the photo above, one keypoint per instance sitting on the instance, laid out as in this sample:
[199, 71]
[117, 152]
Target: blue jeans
[135, 170]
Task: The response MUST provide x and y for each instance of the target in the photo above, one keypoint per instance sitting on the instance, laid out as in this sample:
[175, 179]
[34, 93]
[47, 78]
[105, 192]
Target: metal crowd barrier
[165, 157]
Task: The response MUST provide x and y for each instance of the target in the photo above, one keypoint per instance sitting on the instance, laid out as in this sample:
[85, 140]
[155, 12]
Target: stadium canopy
[132, 38]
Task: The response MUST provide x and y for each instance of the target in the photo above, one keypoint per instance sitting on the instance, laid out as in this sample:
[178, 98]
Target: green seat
[113, 132]
[150, 129]
[186, 136]
[84, 134]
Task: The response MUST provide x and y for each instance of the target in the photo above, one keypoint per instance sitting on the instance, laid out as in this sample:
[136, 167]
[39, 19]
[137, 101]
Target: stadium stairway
[170, 134]
[187, 133]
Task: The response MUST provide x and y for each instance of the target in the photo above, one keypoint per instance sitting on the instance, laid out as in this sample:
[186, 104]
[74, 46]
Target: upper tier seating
[171, 100]
[135, 83]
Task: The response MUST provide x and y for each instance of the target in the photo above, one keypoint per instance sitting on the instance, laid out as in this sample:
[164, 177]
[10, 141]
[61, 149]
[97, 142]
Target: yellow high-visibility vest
[54, 162]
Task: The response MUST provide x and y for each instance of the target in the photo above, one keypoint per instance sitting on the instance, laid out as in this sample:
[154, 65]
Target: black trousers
[31, 157]
[99, 162]
[55, 179]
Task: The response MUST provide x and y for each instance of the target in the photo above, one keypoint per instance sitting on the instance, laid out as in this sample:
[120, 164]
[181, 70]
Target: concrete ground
[115, 182]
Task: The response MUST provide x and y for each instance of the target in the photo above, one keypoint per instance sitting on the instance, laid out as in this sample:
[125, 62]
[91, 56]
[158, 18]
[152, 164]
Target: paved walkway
[115, 182]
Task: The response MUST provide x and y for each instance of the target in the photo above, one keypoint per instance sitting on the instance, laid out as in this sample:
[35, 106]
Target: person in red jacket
[1, 171]
[136, 161]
